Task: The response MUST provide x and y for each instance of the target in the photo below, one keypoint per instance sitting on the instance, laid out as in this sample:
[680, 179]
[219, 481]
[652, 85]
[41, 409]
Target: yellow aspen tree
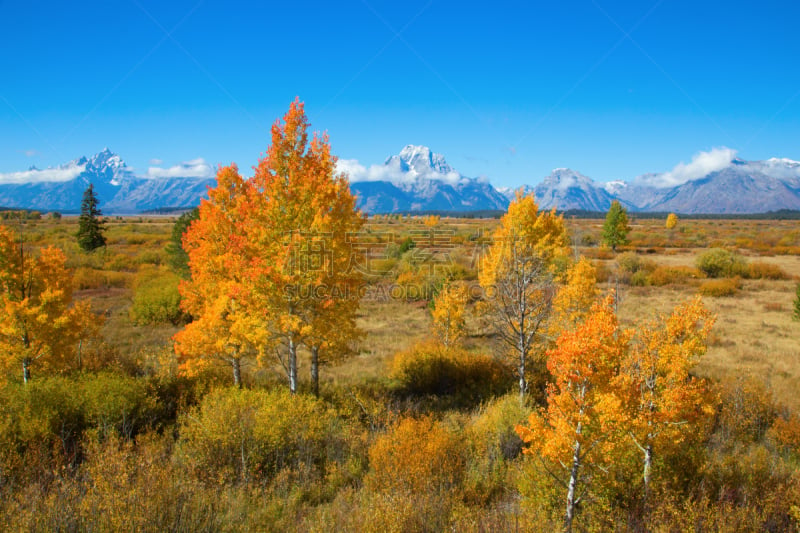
[666, 400]
[448, 313]
[517, 276]
[575, 298]
[672, 221]
[575, 436]
[39, 323]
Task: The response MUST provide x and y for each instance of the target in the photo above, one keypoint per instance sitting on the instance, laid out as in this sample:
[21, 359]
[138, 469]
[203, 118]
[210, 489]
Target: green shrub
[639, 279]
[247, 435]
[156, 299]
[631, 262]
[718, 262]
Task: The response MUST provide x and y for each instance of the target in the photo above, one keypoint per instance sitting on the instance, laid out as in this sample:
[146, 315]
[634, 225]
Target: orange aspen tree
[575, 436]
[301, 218]
[517, 275]
[665, 399]
[39, 323]
[216, 294]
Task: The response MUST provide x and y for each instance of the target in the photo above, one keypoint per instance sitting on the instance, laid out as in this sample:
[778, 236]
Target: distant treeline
[782, 214]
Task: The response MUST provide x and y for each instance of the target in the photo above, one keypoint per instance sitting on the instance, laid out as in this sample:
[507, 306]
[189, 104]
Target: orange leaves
[274, 248]
[582, 403]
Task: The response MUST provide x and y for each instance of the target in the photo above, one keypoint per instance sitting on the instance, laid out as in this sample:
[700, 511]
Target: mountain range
[418, 179]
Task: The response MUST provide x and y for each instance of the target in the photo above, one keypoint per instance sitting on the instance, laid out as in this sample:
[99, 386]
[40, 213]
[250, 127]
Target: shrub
[432, 368]
[747, 410]
[244, 435]
[720, 287]
[416, 456]
[631, 262]
[673, 275]
[639, 279]
[492, 444]
[156, 298]
[762, 270]
[719, 262]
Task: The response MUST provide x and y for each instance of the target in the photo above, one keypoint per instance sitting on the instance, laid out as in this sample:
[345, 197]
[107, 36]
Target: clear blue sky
[504, 89]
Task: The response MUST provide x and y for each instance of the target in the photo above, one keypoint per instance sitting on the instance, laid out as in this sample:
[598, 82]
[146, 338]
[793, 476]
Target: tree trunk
[26, 370]
[237, 372]
[573, 482]
[315, 370]
[648, 463]
[292, 366]
[523, 385]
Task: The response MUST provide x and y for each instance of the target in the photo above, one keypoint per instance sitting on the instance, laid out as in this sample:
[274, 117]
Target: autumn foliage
[270, 259]
[40, 325]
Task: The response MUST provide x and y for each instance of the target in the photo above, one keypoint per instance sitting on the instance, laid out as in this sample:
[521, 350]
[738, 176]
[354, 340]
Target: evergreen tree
[178, 258]
[90, 227]
[616, 228]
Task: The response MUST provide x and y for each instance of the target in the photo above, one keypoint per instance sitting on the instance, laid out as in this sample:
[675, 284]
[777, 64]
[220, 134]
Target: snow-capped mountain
[567, 189]
[741, 187]
[118, 189]
[418, 179]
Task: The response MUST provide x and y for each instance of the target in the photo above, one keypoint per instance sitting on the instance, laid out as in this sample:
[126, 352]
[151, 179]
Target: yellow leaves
[38, 321]
[672, 221]
[576, 297]
[415, 456]
[525, 231]
[448, 313]
[431, 220]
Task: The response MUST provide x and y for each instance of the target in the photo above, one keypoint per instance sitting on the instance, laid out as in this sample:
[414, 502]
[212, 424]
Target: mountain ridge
[419, 180]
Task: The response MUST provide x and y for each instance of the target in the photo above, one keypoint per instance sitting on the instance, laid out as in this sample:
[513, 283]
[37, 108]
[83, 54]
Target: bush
[673, 275]
[156, 298]
[720, 287]
[718, 262]
[244, 435]
[432, 368]
[631, 262]
[416, 456]
[762, 270]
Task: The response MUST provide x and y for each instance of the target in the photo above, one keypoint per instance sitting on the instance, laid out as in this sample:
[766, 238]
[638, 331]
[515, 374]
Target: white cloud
[392, 173]
[702, 163]
[196, 168]
[155, 161]
[62, 173]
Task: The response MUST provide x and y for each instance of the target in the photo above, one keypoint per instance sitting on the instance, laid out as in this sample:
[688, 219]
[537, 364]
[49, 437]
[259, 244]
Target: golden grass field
[754, 332]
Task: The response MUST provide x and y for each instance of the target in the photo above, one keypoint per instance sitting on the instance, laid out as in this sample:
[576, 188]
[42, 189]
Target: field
[753, 353]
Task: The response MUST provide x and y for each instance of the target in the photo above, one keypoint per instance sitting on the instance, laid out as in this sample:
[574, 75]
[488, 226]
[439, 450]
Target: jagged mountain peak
[105, 159]
[564, 178]
[420, 159]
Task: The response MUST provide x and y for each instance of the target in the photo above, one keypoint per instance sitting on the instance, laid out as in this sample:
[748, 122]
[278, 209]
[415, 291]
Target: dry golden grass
[754, 333]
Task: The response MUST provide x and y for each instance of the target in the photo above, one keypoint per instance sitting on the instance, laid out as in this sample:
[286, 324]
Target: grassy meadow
[370, 455]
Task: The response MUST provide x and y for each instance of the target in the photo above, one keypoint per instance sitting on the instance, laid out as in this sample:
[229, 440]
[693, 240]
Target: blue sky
[506, 89]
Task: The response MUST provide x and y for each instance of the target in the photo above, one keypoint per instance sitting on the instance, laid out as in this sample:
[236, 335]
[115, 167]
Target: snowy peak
[565, 178]
[421, 160]
[106, 160]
